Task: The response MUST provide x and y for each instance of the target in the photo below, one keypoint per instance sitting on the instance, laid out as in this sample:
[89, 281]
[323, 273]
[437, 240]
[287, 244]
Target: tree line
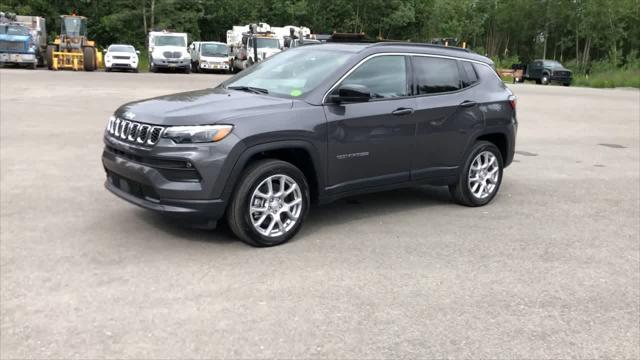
[580, 31]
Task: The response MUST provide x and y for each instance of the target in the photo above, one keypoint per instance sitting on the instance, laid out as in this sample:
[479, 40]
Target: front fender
[244, 155]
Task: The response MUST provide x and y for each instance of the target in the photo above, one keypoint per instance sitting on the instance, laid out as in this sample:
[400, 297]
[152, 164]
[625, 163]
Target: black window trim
[409, 70]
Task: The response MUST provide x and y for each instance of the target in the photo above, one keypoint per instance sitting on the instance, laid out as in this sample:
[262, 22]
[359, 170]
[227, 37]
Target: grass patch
[609, 79]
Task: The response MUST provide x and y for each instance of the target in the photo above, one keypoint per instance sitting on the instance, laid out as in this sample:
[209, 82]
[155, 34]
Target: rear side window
[469, 74]
[435, 75]
[385, 76]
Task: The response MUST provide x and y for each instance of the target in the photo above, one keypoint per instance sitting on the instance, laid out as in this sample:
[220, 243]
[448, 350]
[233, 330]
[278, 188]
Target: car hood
[214, 58]
[122, 53]
[557, 68]
[161, 49]
[202, 107]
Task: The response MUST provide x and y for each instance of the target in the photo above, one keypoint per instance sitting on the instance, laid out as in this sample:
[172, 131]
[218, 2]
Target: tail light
[513, 100]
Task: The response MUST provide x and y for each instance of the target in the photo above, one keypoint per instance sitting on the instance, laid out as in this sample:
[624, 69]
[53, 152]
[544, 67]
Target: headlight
[197, 134]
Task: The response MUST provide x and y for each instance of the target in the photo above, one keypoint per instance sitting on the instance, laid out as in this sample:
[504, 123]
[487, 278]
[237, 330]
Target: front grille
[6, 45]
[134, 132]
[172, 54]
[121, 57]
[561, 73]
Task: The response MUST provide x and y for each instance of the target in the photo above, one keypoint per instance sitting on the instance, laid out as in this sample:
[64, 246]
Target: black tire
[107, 69]
[238, 216]
[88, 58]
[545, 79]
[187, 69]
[538, 81]
[50, 50]
[136, 70]
[460, 190]
[566, 84]
[151, 67]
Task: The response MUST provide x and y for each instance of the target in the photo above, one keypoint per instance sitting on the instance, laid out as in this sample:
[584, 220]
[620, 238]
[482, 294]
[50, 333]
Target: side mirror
[351, 94]
[138, 52]
[104, 51]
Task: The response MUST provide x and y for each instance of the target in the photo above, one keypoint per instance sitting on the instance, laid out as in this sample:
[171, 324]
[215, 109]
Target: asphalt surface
[550, 269]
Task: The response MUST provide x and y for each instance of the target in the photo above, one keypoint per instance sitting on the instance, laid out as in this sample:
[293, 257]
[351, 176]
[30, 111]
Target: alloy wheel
[484, 174]
[275, 206]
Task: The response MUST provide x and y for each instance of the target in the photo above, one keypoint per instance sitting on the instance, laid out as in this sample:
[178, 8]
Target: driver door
[369, 143]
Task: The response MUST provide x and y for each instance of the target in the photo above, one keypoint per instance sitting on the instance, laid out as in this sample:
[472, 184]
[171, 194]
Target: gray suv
[312, 125]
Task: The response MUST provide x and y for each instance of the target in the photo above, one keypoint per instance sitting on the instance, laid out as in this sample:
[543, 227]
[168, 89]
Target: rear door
[369, 143]
[446, 114]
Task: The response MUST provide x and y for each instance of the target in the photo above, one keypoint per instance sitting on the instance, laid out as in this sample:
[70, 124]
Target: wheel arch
[300, 153]
[501, 141]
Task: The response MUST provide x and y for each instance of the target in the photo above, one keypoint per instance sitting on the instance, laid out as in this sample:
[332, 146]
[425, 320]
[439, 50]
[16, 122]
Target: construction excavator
[72, 49]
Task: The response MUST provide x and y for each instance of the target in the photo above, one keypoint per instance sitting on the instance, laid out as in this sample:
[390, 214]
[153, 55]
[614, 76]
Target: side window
[385, 76]
[469, 74]
[435, 75]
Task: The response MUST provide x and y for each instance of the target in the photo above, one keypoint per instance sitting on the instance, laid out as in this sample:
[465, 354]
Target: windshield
[554, 64]
[14, 30]
[214, 50]
[268, 43]
[74, 27]
[170, 41]
[121, 48]
[291, 73]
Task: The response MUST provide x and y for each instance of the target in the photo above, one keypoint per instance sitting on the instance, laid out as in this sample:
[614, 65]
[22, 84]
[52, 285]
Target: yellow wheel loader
[71, 49]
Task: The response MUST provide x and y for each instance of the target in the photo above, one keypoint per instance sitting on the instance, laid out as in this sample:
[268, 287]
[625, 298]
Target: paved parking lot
[551, 269]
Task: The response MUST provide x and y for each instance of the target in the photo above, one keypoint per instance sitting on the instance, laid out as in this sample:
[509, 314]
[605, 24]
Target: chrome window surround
[324, 98]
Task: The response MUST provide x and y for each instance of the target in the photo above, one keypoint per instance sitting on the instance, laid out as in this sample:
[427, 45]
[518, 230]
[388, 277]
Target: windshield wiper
[255, 90]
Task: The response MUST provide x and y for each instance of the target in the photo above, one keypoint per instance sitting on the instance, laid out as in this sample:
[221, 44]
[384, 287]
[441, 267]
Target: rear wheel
[481, 176]
[567, 84]
[270, 204]
[50, 50]
[89, 58]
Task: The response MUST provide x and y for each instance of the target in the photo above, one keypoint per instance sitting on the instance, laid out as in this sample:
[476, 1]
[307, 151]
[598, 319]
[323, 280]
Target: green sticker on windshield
[296, 92]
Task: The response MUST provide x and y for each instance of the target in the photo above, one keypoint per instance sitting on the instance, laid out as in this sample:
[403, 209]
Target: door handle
[468, 103]
[402, 111]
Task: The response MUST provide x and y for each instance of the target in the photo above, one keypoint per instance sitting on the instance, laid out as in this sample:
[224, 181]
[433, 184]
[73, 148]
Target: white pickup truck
[168, 50]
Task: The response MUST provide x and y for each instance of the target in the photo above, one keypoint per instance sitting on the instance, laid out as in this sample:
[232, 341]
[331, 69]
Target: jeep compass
[312, 125]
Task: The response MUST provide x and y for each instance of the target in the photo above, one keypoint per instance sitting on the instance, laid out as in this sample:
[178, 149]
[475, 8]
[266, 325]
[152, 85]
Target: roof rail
[435, 46]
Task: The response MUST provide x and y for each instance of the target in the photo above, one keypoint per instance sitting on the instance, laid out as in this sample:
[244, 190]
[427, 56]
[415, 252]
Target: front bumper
[208, 65]
[561, 78]
[120, 65]
[177, 180]
[172, 63]
[15, 58]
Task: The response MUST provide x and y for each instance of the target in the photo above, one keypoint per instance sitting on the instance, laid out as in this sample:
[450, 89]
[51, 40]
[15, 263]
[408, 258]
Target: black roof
[417, 48]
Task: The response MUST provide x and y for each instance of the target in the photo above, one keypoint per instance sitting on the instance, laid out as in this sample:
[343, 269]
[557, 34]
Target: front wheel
[270, 203]
[481, 176]
[545, 80]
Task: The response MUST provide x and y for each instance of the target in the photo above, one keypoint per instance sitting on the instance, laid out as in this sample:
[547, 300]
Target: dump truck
[72, 49]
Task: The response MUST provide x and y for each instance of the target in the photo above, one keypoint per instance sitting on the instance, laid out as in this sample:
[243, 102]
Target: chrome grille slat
[134, 132]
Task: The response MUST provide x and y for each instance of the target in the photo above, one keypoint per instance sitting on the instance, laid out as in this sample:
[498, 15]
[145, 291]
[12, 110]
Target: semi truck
[168, 50]
[38, 29]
